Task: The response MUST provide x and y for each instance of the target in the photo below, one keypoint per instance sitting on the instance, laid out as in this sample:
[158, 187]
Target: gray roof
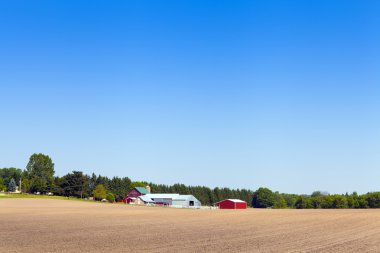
[148, 198]
[184, 197]
[162, 195]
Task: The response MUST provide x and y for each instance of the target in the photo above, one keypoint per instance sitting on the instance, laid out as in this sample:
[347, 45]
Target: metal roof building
[174, 200]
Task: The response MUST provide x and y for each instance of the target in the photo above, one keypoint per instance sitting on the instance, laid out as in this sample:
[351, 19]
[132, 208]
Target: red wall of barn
[226, 204]
[134, 193]
[240, 205]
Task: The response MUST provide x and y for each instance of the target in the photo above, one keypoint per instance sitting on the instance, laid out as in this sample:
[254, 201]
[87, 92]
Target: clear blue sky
[282, 94]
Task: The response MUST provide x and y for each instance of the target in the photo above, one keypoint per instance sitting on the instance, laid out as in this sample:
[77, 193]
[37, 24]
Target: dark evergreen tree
[119, 187]
[75, 184]
[12, 185]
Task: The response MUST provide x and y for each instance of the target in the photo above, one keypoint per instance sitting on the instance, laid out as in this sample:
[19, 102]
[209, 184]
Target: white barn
[174, 200]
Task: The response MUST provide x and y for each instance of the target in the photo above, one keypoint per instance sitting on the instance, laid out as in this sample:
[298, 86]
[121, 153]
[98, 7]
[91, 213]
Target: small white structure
[174, 200]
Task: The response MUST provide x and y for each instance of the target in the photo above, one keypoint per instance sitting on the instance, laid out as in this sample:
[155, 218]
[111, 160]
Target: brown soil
[45, 225]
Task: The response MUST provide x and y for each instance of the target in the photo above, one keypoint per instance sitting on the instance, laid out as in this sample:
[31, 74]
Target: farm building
[136, 192]
[174, 200]
[232, 204]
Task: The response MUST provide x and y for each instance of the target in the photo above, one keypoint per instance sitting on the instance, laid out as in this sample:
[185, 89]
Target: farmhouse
[170, 199]
[232, 204]
[132, 196]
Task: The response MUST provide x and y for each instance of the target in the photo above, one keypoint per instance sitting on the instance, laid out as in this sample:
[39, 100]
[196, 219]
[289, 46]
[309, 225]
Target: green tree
[353, 200]
[100, 192]
[339, 201]
[8, 173]
[38, 185]
[2, 185]
[25, 185]
[92, 182]
[363, 202]
[58, 183]
[217, 194]
[290, 199]
[327, 202]
[40, 169]
[316, 201]
[136, 184]
[245, 195]
[12, 185]
[110, 197]
[373, 199]
[263, 198]
[279, 201]
[119, 187]
[317, 194]
[303, 202]
[75, 184]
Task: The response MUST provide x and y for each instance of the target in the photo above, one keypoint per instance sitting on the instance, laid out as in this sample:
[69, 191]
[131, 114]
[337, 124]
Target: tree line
[265, 198]
[39, 177]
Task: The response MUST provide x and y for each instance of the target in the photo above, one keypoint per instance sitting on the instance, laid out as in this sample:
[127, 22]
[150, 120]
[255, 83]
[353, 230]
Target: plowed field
[46, 225]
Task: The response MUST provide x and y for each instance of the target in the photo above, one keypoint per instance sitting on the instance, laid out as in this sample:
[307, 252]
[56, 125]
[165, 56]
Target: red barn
[134, 193]
[232, 204]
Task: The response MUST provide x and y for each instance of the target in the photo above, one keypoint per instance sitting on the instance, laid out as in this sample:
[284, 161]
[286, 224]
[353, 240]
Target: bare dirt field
[45, 225]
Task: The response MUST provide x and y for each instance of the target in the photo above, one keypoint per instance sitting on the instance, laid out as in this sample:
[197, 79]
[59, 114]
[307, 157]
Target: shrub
[110, 197]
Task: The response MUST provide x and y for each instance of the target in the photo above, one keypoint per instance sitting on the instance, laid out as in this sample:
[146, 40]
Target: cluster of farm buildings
[143, 196]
